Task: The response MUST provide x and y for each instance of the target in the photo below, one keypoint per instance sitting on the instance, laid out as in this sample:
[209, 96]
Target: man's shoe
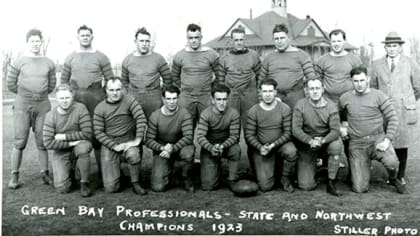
[14, 181]
[331, 189]
[137, 189]
[400, 186]
[286, 184]
[189, 186]
[85, 190]
[46, 179]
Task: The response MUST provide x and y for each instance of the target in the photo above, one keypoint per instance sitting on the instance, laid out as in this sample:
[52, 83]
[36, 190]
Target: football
[245, 188]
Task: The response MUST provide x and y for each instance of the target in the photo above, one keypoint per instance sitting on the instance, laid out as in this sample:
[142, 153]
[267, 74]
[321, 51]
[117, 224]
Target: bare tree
[6, 57]
[415, 48]
[45, 46]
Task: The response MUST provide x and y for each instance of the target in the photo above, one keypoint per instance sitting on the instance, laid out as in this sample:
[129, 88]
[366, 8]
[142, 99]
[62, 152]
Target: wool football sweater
[32, 74]
[75, 124]
[266, 127]
[144, 72]
[367, 114]
[239, 69]
[118, 122]
[195, 69]
[335, 73]
[290, 69]
[310, 121]
[176, 129]
[215, 127]
[84, 68]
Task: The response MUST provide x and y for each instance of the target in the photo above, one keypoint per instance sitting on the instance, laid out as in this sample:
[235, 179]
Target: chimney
[250, 13]
[308, 17]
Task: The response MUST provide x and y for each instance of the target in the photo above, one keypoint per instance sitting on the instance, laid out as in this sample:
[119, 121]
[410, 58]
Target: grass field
[269, 209]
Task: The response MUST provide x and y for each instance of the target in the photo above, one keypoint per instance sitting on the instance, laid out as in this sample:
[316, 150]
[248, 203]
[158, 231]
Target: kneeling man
[269, 131]
[316, 126]
[68, 131]
[119, 124]
[170, 136]
[372, 125]
[218, 134]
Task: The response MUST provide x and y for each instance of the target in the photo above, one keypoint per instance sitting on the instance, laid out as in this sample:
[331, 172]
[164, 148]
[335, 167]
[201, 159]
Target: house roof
[262, 28]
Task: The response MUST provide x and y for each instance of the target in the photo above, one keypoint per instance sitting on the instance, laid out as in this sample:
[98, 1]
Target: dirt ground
[383, 211]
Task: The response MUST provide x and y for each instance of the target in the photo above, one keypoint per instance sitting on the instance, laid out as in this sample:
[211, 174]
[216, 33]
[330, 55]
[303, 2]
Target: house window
[311, 31]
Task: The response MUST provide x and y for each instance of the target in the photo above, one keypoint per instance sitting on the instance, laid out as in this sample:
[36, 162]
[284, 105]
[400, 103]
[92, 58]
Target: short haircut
[314, 79]
[219, 88]
[113, 79]
[63, 87]
[33, 32]
[84, 27]
[193, 28]
[280, 28]
[337, 32]
[142, 30]
[268, 82]
[170, 89]
[237, 30]
[358, 71]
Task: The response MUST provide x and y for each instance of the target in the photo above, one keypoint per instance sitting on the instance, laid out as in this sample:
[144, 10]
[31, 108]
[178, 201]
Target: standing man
[288, 66]
[193, 70]
[119, 124]
[372, 127]
[334, 68]
[218, 134]
[316, 126]
[31, 77]
[239, 69]
[399, 77]
[68, 131]
[170, 136]
[269, 131]
[141, 72]
[85, 69]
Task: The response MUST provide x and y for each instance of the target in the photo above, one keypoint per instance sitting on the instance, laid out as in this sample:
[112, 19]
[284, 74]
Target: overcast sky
[114, 22]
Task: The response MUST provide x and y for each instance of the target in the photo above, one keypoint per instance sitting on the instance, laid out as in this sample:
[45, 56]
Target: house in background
[305, 34]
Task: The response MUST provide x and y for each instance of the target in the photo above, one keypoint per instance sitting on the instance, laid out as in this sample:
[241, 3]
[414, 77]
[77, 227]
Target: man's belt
[25, 93]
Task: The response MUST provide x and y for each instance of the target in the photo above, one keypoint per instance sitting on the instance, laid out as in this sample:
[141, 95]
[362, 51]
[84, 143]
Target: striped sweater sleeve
[263, 71]
[234, 131]
[187, 133]
[251, 130]
[390, 116]
[222, 69]
[152, 133]
[334, 125]
[297, 125]
[138, 114]
[165, 72]
[106, 68]
[319, 71]
[257, 68]
[215, 66]
[85, 125]
[52, 79]
[124, 73]
[66, 72]
[48, 134]
[287, 128]
[176, 72]
[202, 129]
[307, 67]
[12, 78]
[99, 128]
